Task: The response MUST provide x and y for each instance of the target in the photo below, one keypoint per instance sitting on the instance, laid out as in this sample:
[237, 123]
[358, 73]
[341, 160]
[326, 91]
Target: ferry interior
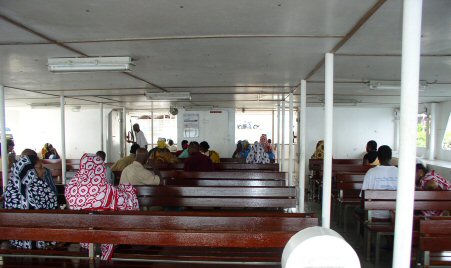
[224, 62]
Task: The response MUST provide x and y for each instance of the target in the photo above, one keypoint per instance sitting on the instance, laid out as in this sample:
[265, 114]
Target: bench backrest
[224, 166]
[317, 164]
[435, 234]
[348, 181]
[190, 229]
[424, 200]
[252, 174]
[224, 197]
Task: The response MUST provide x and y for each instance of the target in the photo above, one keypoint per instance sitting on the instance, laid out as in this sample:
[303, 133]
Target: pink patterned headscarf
[89, 190]
[264, 142]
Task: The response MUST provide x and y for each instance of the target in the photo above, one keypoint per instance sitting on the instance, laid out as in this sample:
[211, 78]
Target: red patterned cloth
[89, 190]
[442, 184]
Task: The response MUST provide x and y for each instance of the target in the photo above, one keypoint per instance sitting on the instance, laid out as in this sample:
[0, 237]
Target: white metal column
[433, 132]
[151, 128]
[63, 140]
[302, 145]
[101, 127]
[282, 148]
[3, 138]
[410, 72]
[290, 142]
[278, 133]
[328, 135]
[123, 135]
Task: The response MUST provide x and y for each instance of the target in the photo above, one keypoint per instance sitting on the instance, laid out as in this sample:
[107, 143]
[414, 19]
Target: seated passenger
[238, 150]
[43, 172]
[137, 174]
[125, 161]
[257, 155]
[197, 161]
[162, 154]
[89, 190]
[370, 157]
[49, 152]
[319, 151]
[267, 147]
[383, 177]
[172, 147]
[184, 147]
[204, 149]
[431, 181]
[25, 190]
[108, 171]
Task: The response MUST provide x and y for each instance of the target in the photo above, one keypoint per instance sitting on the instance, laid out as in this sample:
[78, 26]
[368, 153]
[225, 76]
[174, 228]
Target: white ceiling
[234, 53]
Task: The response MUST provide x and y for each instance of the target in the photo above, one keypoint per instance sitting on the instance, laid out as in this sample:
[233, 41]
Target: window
[251, 125]
[164, 126]
[422, 130]
[446, 143]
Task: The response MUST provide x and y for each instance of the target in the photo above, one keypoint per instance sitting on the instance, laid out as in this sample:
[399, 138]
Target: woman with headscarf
[99, 195]
[319, 152]
[204, 149]
[162, 154]
[25, 190]
[49, 152]
[267, 147]
[257, 155]
[238, 150]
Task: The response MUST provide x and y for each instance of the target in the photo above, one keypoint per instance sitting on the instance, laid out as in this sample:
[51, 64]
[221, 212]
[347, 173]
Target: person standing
[140, 137]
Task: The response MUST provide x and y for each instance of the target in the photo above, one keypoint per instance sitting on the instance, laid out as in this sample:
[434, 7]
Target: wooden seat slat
[224, 182]
[223, 175]
[215, 191]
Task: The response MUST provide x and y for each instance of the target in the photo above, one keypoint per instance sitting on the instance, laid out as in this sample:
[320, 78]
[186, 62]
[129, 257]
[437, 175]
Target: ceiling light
[168, 96]
[199, 108]
[392, 85]
[44, 105]
[90, 64]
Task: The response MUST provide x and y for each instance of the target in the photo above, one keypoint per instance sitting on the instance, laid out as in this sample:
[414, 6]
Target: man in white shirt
[383, 177]
[137, 174]
[140, 138]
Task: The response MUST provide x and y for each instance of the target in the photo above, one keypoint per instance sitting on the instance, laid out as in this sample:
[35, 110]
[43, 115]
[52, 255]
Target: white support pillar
[278, 134]
[63, 140]
[123, 135]
[282, 148]
[433, 131]
[302, 145]
[328, 127]
[290, 148]
[4, 147]
[151, 128]
[101, 126]
[410, 74]
[396, 120]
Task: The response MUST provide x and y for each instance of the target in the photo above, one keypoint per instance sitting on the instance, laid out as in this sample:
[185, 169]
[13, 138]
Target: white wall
[32, 128]
[218, 129]
[353, 128]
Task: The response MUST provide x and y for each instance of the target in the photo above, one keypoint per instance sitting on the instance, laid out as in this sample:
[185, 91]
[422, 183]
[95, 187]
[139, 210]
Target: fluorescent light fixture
[392, 85]
[168, 96]
[199, 108]
[44, 105]
[119, 64]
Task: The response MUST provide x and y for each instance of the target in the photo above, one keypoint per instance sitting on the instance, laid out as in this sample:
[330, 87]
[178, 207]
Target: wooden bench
[348, 187]
[223, 178]
[435, 241]
[317, 164]
[268, 197]
[238, 237]
[217, 197]
[386, 200]
[224, 166]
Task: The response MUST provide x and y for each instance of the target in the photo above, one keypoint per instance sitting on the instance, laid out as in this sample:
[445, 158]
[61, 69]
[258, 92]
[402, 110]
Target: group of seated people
[259, 153]
[384, 176]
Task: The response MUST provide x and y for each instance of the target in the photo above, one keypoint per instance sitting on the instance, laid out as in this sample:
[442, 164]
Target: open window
[446, 142]
[422, 130]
